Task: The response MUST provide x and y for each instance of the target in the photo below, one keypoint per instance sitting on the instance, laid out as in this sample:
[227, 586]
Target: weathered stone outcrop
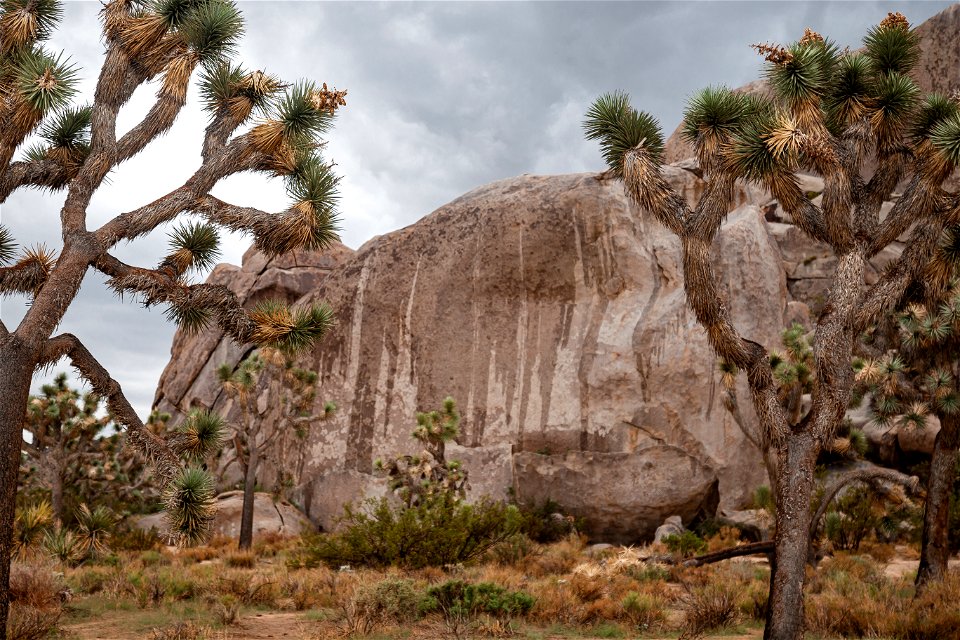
[621, 497]
[553, 310]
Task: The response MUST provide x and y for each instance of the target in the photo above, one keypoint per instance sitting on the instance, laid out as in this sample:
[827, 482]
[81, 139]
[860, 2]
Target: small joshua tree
[256, 438]
[65, 440]
[914, 374]
[833, 112]
[415, 478]
[78, 146]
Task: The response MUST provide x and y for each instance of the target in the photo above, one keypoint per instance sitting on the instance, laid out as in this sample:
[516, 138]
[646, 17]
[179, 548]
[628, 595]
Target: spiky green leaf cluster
[8, 246]
[189, 501]
[200, 240]
[174, 12]
[850, 97]
[291, 330]
[749, 156]
[45, 81]
[302, 121]
[808, 74]
[945, 137]
[218, 83]
[201, 434]
[619, 128]
[935, 109]
[213, 29]
[892, 49]
[191, 319]
[68, 128]
[715, 111]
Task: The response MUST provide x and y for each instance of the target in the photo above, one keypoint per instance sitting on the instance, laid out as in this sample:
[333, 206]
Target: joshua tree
[77, 148]
[417, 477]
[914, 375]
[65, 438]
[256, 438]
[834, 112]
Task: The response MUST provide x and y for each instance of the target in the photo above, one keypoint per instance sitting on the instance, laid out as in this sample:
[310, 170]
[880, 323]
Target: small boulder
[671, 526]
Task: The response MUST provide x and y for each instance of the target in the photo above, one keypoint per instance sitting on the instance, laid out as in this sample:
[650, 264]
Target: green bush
[439, 530]
[686, 544]
[545, 522]
[456, 598]
[389, 599]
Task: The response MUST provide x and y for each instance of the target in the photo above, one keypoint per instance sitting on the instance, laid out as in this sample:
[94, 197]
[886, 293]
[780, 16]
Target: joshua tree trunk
[249, 488]
[935, 545]
[14, 389]
[794, 489]
[56, 494]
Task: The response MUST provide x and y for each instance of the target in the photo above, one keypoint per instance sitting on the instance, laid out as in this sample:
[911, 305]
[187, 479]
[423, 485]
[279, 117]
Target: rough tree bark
[249, 495]
[935, 544]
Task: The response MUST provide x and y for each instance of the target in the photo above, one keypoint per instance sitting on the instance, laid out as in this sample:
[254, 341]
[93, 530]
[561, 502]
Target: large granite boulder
[552, 309]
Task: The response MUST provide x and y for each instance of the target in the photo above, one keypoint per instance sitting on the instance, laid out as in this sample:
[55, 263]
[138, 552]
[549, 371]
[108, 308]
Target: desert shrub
[753, 604]
[645, 611]
[153, 558]
[36, 600]
[546, 522]
[36, 586]
[514, 550]
[62, 545]
[456, 598]
[559, 558]
[587, 586]
[437, 531]
[241, 560]
[933, 614]
[181, 631]
[390, 600]
[135, 539]
[686, 544]
[723, 538]
[226, 610]
[555, 603]
[90, 580]
[708, 607]
[763, 498]
[644, 572]
[198, 554]
[28, 623]
[250, 590]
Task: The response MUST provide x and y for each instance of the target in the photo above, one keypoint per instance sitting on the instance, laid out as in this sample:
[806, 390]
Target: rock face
[622, 497]
[268, 517]
[552, 309]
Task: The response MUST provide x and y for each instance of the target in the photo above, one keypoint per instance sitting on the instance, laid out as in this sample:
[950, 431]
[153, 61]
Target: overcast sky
[443, 97]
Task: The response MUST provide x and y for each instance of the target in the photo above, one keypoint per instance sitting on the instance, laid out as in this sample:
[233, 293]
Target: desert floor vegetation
[564, 589]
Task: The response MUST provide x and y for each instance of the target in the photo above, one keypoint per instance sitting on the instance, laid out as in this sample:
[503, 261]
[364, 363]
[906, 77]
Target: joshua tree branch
[40, 173]
[157, 287]
[23, 277]
[889, 289]
[233, 158]
[153, 448]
